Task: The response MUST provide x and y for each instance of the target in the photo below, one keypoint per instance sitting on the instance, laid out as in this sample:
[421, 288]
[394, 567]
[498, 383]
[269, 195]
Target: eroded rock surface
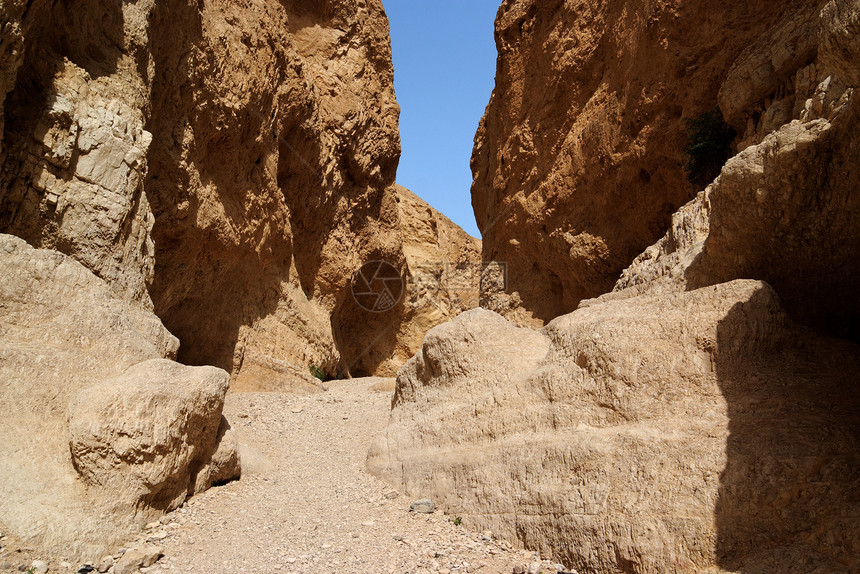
[785, 209]
[662, 433]
[442, 277]
[74, 144]
[230, 164]
[100, 430]
[146, 437]
[578, 162]
[276, 143]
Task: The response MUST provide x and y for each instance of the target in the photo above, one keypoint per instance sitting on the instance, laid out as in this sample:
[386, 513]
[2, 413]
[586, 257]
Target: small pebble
[423, 506]
[106, 564]
[39, 566]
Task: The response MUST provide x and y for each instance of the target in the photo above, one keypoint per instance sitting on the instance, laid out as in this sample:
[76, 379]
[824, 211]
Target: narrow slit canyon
[231, 341]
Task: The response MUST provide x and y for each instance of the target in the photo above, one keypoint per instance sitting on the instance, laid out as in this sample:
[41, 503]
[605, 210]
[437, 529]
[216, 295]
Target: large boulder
[655, 433]
[147, 437]
[101, 431]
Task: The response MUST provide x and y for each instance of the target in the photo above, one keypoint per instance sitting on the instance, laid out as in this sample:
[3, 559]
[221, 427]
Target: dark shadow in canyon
[210, 280]
[789, 497]
[365, 338]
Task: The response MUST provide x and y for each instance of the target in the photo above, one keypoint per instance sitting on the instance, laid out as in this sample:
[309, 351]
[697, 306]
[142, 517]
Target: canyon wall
[578, 162]
[684, 421]
[210, 169]
[229, 165]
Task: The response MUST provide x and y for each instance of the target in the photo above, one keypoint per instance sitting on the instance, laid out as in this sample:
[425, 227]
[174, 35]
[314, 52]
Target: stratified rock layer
[74, 144]
[578, 162]
[100, 431]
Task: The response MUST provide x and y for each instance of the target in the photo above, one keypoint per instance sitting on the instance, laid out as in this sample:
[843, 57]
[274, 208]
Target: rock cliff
[228, 164]
[683, 422]
[578, 162]
[785, 208]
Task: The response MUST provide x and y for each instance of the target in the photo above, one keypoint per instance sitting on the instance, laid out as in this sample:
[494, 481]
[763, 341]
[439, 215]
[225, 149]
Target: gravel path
[307, 505]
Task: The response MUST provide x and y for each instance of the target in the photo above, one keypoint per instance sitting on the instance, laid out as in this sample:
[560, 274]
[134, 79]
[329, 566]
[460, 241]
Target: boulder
[146, 438]
[84, 369]
[666, 432]
[134, 559]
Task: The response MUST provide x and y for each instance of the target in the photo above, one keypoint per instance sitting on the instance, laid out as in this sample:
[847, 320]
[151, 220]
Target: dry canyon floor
[306, 504]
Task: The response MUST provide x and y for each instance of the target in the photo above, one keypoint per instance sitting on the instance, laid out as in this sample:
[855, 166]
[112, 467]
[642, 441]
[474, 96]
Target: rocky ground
[306, 504]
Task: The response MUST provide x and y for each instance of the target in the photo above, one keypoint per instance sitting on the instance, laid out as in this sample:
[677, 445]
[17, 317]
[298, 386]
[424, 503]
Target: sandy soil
[306, 504]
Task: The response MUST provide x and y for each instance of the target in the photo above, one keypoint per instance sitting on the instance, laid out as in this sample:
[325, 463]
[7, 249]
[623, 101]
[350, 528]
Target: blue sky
[444, 70]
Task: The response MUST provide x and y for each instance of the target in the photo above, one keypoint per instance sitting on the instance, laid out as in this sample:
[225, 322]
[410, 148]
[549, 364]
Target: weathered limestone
[101, 432]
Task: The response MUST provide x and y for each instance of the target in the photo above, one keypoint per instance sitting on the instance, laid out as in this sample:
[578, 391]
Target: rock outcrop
[683, 422]
[229, 164]
[442, 274]
[276, 147]
[785, 209]
[658, 433]
[151, 436]
[578, 162]
[101, 431]
[74, 142]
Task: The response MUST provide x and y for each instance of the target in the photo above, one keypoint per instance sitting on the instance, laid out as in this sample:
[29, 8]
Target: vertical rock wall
[230, 165]
[578, 162]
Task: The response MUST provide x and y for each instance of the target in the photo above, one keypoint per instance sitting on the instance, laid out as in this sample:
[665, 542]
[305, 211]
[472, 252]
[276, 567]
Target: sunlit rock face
[102, 430]
[230, 165]
[578, 163]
